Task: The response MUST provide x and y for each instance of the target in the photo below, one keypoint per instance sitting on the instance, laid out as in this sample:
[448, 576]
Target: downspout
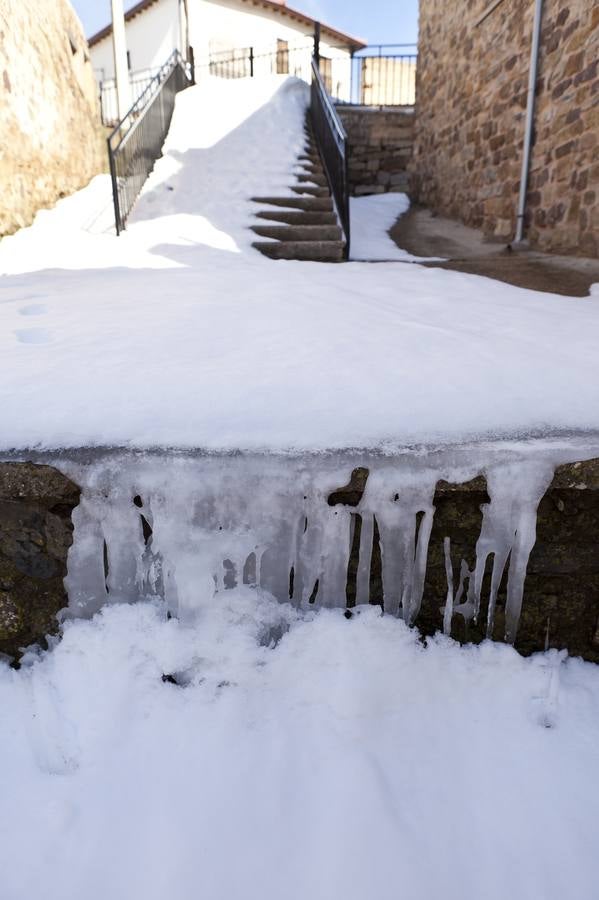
[530, 114]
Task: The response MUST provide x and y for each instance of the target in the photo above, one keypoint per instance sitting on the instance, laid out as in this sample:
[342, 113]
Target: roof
[275, 6]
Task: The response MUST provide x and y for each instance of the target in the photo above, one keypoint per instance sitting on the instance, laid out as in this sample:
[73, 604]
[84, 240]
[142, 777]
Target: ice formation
[185, 527]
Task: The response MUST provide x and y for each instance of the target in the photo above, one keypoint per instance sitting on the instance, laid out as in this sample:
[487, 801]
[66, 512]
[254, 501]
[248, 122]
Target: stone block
[36, 503]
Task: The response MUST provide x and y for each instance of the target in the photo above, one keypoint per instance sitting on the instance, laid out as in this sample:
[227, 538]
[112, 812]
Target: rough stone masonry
[561, 606]
[380, 142]
[52, 142]
[472, 79]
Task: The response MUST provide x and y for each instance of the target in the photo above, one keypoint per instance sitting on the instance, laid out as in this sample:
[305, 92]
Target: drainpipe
[530, 113]
[121, 69]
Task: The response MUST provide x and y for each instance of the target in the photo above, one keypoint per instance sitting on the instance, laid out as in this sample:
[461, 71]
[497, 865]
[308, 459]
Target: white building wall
[216, 26]
[151, 38]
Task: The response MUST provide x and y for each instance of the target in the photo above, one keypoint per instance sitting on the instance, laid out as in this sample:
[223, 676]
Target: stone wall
[49, 117]
[471, 102]
[380, 148]
[36, 532]
[561, 591]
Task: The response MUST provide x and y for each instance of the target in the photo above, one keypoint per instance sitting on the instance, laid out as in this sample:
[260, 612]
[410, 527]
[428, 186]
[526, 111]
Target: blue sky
[377, 21]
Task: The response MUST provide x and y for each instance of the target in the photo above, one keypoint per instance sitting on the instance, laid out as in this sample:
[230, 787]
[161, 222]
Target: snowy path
[179, 334]
[346, 763]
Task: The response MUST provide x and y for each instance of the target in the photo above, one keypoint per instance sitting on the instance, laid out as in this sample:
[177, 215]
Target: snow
[371, 218]
[298, 754]
[179, 334]
[346, 760]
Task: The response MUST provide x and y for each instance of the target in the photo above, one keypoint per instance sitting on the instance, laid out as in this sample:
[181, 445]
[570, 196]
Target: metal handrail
[144, 98]
[331, 139]
[135, 143]
[332, 113]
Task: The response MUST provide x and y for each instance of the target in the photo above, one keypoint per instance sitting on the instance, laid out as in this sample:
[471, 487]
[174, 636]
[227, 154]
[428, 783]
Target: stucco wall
[216, 26]
[151, 38]
[471, 102]
[49, 120]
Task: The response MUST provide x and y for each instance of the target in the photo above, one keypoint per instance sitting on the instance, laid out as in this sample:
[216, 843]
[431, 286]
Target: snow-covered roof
[277, 6]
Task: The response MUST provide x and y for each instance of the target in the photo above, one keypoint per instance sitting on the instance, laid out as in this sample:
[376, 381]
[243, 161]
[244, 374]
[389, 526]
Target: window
[282, 57]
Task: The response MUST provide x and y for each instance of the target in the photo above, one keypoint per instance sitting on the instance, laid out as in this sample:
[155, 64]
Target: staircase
[305, 226]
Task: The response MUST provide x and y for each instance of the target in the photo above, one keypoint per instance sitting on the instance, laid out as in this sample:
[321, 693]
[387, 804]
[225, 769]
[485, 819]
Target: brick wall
[471, 102]
[381, 143]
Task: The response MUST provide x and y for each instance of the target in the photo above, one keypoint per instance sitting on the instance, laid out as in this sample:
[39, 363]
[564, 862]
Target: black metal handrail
[331, 139]
[138, 82]
[377, 75]
[136, 142]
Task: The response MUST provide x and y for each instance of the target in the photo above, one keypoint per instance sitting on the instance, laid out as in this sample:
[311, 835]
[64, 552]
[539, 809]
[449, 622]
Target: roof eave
[347, 40]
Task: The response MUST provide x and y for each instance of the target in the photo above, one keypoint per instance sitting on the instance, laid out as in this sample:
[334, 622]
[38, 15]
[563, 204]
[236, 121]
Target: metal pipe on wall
[530, 112]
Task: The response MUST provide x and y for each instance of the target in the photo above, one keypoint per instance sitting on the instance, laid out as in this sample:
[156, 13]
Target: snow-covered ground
[178, 333]
[300, 755]
[347, 762]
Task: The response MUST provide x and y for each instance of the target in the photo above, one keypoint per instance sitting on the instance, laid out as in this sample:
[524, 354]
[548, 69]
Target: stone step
[313, 178]
[291, 233]
[309, 204]
[298, 217]
[315, 251]
[308, 190]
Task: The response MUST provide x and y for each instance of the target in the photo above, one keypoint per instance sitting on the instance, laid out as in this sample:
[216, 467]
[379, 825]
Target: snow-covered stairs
[303, 226]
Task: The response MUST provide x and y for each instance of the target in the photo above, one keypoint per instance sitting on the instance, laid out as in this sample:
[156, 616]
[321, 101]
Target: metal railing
[250, 62]
[136, 142]
[138, 82]
[331, 138]
[379, 75]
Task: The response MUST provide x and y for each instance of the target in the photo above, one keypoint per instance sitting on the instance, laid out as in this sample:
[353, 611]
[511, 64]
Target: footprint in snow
[33, 335]
[33, 309]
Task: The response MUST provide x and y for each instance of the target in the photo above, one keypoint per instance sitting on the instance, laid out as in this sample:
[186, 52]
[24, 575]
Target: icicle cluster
[186, 528]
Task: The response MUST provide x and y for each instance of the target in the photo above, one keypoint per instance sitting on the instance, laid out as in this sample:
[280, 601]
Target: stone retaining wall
[561, 594]
[471, 103]
[380, 148]
[52, 141]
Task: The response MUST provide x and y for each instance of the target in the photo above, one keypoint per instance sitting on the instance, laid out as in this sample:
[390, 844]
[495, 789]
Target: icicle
[448, 612]
[85, 581]
[509, 532]
[397, 498]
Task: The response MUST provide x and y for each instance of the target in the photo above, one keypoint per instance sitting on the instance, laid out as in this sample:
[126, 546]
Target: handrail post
[317, 43]
[251, 62]
[192, 65]
[115, 190]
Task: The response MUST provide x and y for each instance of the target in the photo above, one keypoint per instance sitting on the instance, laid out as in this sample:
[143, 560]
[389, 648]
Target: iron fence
[331, 138]
[250, 62]
[380, 75]
[138, 82]
[136, 142]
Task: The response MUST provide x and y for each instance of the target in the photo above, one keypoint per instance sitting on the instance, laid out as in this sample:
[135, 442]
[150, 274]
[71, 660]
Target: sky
[377, 21]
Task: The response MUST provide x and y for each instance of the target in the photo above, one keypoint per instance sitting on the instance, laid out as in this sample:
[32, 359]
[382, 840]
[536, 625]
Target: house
[264, 35]
[472, 92]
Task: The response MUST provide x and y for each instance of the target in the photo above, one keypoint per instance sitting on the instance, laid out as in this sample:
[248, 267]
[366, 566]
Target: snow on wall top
[179, 334]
